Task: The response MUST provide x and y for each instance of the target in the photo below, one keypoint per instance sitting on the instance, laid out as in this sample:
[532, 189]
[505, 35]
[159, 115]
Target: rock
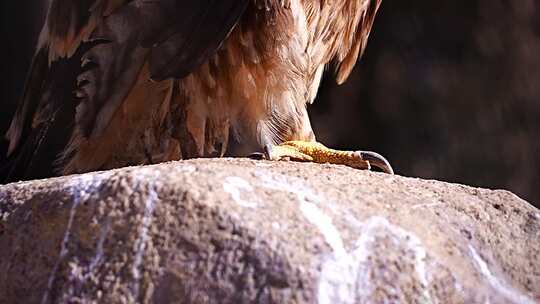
[243, 231]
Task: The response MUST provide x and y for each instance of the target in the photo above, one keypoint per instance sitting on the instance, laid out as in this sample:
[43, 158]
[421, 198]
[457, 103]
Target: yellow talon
[318, 153]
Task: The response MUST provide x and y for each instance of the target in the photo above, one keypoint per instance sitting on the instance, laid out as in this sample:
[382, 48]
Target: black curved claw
[377, 160]
[257, 156]
[266, 155]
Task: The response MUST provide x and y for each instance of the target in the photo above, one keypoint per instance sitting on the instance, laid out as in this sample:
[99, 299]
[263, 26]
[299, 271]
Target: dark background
[446, 90]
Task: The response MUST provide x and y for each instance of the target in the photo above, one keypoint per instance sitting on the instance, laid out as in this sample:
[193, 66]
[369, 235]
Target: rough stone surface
[242, 231]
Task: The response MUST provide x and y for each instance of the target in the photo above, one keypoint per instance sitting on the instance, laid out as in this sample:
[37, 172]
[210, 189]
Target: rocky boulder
[243, 231]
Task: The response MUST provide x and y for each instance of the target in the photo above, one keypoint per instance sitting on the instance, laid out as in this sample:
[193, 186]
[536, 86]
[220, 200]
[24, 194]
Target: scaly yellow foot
[318, 153]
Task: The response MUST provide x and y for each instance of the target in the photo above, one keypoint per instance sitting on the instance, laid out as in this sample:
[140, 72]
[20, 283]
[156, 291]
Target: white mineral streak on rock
[345, 278]
[186, 168]
[344, 275]
[234, 185]
[98, 257]
[141, 243]
[342, 292]
[291, 185]
[63, 250]
[412, 242]
[79, 274]
[307, 199]
[79, 187]
[341, 274]
[428, 205]
[323, 222]
[499, 285]
[3, 196]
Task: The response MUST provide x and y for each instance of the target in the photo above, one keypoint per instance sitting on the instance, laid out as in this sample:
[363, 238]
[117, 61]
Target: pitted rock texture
[243, 231]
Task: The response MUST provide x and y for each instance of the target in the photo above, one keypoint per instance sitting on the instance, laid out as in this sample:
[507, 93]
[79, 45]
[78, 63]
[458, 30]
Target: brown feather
[120, 144]
[245, 67]
[271, 65]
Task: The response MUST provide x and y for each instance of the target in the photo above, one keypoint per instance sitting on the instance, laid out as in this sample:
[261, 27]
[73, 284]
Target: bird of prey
[125, 82]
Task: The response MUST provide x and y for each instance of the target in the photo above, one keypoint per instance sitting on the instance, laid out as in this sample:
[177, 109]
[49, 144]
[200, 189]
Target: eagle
[129, 82]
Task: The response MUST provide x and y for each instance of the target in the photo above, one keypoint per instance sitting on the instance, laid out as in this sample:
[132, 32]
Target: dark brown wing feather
[44, 118]
[89, 56]
[194, 38]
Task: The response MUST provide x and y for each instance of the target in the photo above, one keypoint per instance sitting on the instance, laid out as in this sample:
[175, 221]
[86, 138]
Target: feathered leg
[297, 142]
